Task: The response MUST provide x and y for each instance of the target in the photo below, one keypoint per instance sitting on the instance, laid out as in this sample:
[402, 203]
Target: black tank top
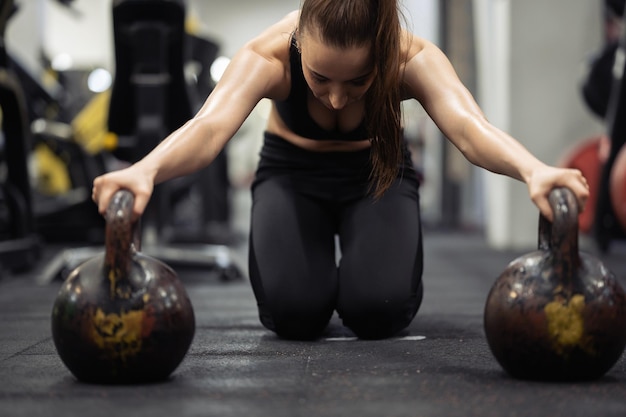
[295, 113]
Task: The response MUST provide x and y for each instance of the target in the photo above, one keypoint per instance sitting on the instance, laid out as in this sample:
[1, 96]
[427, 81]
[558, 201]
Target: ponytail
[383, 100]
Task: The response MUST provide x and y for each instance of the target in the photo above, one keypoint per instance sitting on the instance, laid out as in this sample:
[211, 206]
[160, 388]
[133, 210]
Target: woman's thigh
[292, 258]
[381, 263]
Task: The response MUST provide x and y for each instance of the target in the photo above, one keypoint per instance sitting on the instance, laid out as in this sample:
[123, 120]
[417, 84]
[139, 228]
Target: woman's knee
[294, 305]
[374, 317]
[295, 322]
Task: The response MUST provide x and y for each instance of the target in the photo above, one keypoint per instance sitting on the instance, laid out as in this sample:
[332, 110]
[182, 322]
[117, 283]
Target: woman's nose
[337, 98]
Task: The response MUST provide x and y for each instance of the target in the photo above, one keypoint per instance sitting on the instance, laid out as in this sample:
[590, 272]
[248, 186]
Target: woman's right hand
[133, 179]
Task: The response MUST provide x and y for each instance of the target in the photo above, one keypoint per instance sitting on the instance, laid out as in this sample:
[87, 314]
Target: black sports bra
[295, 113]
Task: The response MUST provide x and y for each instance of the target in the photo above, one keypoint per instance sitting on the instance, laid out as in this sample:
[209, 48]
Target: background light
[218, 67]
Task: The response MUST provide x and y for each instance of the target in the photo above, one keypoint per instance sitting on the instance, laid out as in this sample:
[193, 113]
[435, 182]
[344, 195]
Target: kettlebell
[556, 314]
[122, 317]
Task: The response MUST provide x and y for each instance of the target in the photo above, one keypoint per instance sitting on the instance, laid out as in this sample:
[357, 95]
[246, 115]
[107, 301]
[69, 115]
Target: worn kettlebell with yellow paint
[122, 317]
[555, 313]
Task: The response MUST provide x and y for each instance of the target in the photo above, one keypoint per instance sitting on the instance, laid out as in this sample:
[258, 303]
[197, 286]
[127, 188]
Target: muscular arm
[430, 78]
[433, 81]
[249, 78]
[257, 71]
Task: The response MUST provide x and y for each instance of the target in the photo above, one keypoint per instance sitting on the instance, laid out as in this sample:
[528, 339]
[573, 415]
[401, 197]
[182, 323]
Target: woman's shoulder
[274, 42]
[412, 45]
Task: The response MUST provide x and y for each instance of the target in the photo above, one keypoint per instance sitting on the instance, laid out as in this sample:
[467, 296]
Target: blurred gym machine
[61, 168]
[149, 99]
[608, 225]
[29, 219]
[20, 247]
[602, 159]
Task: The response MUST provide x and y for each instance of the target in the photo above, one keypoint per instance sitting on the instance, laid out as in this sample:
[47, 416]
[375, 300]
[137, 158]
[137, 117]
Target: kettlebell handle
[561, 236]
[121, 238]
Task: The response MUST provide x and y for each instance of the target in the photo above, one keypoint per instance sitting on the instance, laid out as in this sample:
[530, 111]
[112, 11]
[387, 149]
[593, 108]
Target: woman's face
[337, 77]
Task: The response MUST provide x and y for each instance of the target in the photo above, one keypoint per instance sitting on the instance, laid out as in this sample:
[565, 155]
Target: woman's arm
[430, 78]
[249, 78]
[257, 71]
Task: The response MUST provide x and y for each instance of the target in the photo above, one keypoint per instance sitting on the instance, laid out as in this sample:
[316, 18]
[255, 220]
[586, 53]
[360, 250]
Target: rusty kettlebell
[556, 314]
[122, 317]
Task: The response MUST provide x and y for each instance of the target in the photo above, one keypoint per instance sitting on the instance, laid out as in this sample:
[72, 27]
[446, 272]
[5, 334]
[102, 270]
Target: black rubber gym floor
[441, 367]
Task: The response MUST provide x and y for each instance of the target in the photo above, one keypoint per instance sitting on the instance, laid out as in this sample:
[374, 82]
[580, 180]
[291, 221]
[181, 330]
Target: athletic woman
[334, 163]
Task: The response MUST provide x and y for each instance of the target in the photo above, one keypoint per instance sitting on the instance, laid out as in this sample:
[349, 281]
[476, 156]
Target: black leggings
[301, 201]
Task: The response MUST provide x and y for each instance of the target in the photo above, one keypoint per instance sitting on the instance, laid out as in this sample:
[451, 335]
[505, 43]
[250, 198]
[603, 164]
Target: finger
[544, 207]
[141, 202]
[95, 189]
[104, 199]
[580, 187]
[95, 193]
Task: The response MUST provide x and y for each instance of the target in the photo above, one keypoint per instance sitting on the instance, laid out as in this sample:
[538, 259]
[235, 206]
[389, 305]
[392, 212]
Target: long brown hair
[349, 23]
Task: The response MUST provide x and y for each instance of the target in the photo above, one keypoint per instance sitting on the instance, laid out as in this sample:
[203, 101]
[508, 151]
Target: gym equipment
[149, 99]
[607, 227]
[42, 100]
[67, 215]
[62, 170]
[555, 313]
[20, 246]
[605, 94]
[122, 317]
[616, 6]
[618, 187]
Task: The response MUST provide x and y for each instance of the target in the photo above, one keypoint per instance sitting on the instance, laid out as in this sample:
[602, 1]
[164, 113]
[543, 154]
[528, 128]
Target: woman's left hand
[546, 178]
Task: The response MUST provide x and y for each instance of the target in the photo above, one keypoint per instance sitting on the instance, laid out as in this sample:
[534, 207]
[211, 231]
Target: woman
[334, 163]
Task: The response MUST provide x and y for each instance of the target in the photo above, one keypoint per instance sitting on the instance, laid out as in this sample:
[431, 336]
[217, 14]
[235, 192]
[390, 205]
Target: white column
[492, 23]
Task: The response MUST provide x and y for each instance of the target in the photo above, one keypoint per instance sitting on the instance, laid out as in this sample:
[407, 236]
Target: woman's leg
[292, 259]
[380, 272]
